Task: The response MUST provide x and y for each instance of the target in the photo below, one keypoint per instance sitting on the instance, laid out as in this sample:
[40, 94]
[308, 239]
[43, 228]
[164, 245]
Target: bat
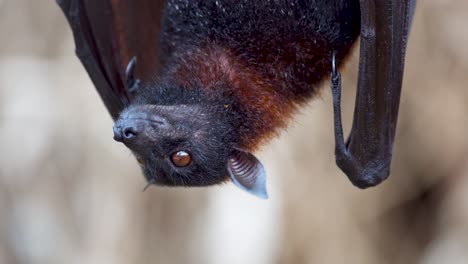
[196, 87]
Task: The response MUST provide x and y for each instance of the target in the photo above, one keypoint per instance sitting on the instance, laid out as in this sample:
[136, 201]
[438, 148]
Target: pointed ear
[247, 173]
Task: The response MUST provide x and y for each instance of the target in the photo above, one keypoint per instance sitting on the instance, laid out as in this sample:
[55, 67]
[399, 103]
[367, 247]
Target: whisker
[150, 182]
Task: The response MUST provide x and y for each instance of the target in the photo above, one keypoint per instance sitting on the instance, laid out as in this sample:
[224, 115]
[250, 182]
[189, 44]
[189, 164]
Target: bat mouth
[160, 178]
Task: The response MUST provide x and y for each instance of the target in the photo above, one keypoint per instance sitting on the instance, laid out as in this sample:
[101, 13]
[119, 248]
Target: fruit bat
[196, 86]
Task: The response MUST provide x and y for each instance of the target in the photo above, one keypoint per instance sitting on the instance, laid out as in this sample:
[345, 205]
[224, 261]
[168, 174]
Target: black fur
[290, 41]
[201, 126]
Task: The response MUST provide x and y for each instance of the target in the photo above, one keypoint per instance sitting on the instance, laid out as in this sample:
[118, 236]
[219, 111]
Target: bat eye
[181, 158]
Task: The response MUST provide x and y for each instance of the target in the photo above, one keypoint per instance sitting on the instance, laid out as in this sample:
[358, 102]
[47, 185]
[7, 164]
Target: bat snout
[125, 133]
[137, 132]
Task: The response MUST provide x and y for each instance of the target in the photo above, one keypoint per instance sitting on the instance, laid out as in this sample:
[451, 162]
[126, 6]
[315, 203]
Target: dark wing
[108, 33]
[367, 155]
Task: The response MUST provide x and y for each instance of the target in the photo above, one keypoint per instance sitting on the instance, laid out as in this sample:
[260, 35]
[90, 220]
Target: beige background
[70, 194]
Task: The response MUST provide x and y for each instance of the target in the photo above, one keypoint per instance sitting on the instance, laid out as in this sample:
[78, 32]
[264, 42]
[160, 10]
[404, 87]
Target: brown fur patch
[267, 110]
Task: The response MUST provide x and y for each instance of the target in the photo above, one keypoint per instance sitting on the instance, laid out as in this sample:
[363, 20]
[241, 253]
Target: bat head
[187, 145]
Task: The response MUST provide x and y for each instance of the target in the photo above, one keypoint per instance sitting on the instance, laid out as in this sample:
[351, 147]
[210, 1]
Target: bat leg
[131, 82]
[343, 158]
[340, 147]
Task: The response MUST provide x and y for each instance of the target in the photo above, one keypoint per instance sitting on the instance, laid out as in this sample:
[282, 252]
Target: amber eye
[181, 158]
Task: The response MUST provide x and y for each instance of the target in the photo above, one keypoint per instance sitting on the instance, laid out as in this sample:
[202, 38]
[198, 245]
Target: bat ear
[247, 173]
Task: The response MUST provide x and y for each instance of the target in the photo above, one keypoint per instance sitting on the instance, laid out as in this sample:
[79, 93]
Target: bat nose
[125, 133]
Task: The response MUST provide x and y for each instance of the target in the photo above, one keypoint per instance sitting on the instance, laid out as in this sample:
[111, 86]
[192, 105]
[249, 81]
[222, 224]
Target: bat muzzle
[138, 130]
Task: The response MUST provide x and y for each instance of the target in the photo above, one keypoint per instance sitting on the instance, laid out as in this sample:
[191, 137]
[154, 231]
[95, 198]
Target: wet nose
[125, 133]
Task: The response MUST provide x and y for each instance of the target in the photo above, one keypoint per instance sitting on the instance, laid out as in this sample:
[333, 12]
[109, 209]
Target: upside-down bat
[196, 86]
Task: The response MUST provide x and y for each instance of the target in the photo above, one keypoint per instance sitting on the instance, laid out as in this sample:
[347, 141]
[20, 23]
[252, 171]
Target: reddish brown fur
[214, 65]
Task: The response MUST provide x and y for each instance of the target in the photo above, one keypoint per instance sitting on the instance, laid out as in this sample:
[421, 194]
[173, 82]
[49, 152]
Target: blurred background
[70, 194]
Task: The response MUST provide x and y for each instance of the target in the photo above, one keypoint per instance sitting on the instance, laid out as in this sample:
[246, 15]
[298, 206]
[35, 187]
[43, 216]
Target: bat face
[188, 145]
[179, 145]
